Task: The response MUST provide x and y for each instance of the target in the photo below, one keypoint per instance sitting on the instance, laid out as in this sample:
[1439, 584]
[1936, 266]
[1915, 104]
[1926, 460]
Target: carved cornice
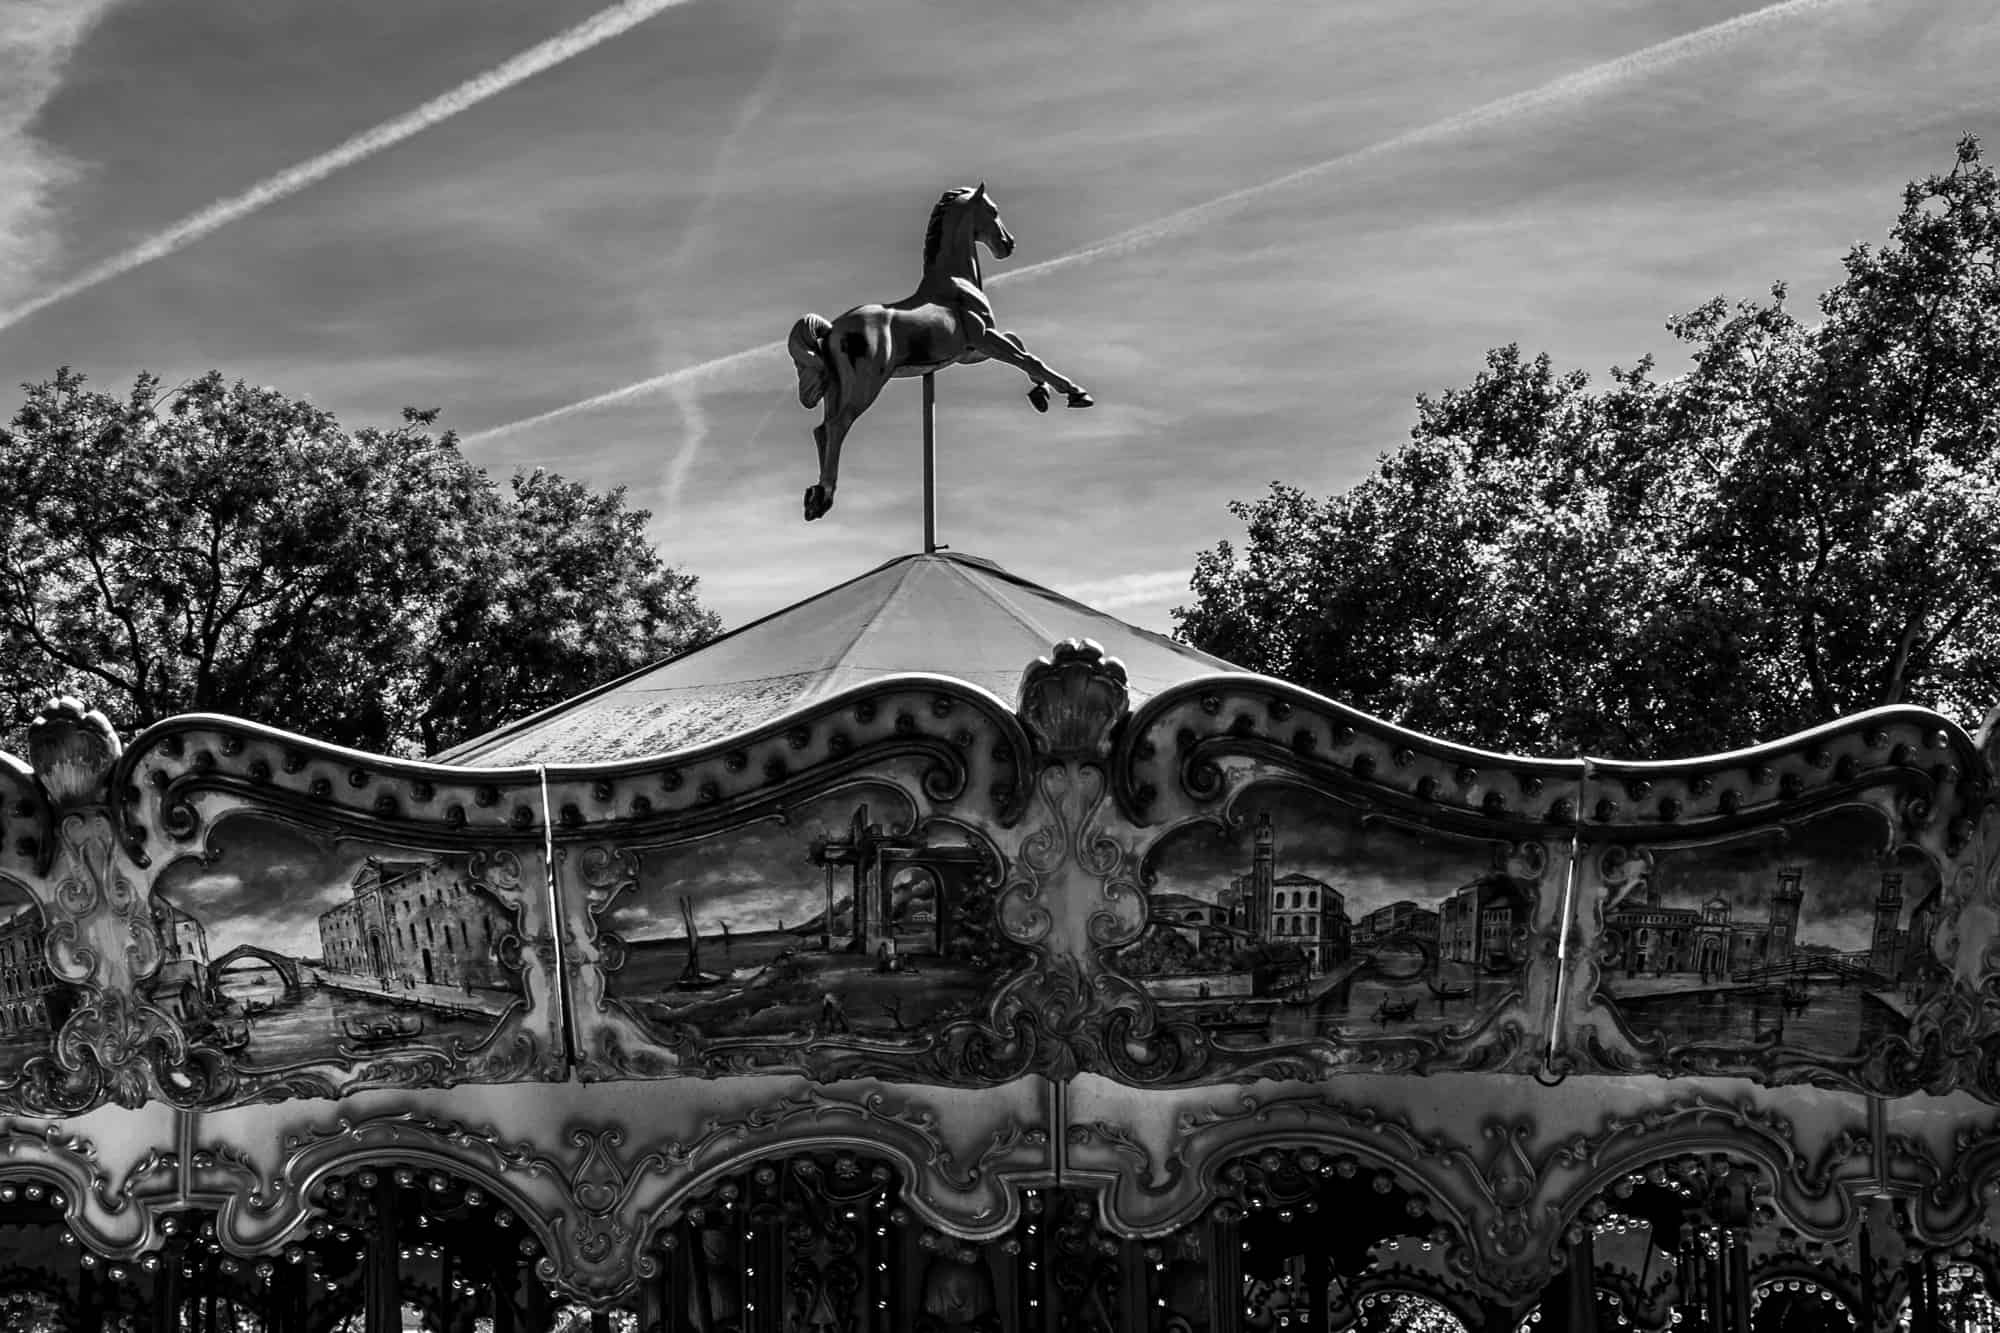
[1173, 750]
[964, 744]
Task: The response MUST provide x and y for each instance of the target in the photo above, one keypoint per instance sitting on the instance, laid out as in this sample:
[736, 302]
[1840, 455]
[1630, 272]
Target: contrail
[694, 425]
[594, 31]
[1595, 79]
[701, 371]
[1554, 93]
[687, 398]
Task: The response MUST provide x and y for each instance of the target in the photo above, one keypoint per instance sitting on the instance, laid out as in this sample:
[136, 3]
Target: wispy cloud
[36, 43]
[694, 235]
[1591, 82]
[1141, 588]
[694, 434]
[567, 45]
[695, 374]
[1586, 83]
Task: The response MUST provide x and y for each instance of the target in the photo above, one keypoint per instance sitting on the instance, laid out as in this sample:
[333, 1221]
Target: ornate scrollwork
[114, 1217]
[98, 938]
[965, 747]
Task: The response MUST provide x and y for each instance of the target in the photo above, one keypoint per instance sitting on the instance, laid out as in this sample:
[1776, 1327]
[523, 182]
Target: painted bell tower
[1888, 908]
[1263, 875]
[1785, 914]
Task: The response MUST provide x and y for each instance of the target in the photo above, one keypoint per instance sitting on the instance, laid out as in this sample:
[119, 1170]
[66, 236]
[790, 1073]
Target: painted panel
[1809, 947]
[852, 915]
[1300, 918]
[293, 952]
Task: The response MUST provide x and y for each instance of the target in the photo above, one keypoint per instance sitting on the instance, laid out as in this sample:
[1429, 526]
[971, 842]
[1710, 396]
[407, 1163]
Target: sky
[1255, 231]
[1371, 866]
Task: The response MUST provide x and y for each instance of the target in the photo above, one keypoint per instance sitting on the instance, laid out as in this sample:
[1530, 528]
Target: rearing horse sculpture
[947, 321]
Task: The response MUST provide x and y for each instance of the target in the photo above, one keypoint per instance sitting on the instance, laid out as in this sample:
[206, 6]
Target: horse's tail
[807, 346]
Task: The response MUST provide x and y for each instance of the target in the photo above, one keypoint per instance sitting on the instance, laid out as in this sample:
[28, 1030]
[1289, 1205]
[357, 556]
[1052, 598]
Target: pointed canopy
[947, 614]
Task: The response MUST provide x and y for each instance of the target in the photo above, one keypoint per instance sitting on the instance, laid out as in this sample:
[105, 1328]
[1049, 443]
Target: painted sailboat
[692, 977]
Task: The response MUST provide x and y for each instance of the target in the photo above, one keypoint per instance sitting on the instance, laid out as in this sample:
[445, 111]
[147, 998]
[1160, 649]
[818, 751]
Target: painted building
[26, 989]
[1901, 955]
[1311, 914]
[181, 985]
[1293, 909]
[1405, 917]
[1189, 917]
[414, 922]
[1477, 922]
[1250, 896]
[1643, 936]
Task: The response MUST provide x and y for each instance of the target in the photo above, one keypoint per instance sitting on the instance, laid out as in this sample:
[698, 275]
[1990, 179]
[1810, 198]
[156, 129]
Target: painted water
[778, 982]
[1374, 1005]
[1840, 1020]
[311, 1022]
[17, 1048]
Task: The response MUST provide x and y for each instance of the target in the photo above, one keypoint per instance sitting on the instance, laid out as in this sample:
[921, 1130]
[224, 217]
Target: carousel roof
[947, 614]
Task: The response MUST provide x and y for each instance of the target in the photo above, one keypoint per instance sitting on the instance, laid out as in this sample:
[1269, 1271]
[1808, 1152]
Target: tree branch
[124, 617]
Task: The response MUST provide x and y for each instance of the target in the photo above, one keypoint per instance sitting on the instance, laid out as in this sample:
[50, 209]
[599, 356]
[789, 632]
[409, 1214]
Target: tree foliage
[234, 550]
[1804, 525]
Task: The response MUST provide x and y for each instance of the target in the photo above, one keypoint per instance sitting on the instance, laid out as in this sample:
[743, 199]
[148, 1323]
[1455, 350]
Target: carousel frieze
[1029, 976]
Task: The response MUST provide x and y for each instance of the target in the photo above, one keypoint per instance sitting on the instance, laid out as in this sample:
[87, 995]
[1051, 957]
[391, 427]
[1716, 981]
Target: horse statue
[947, 321]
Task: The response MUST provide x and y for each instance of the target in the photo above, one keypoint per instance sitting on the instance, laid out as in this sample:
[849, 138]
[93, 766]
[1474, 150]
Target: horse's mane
[934, 233]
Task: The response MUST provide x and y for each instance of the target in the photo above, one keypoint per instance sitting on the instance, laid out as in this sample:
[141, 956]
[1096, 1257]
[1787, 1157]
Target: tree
[234, 550]
[1803, 525]
[566, 593]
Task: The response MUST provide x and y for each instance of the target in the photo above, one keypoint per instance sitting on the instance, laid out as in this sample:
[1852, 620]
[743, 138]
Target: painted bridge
[1834, 967]
[286, 968]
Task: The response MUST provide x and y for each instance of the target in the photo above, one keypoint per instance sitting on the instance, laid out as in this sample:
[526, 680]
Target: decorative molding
[1508, 1197]
[596, 1201]
[116, 1218]
[967, 744]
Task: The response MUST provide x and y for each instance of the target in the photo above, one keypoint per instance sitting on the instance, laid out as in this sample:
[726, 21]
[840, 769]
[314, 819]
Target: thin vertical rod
[930, 464]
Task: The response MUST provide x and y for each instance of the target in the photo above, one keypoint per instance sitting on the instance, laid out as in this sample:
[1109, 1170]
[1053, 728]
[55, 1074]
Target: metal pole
[930, 464]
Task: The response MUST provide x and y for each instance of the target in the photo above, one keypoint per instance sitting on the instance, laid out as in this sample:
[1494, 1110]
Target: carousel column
[168, 1286]
[653, 1296]
[1739, 1279]
[1921, 1271]
[381, 1276]
[764, 1254]
[285, 1299]
[89, 1318]
[1569, 1304]
[1225, 1270]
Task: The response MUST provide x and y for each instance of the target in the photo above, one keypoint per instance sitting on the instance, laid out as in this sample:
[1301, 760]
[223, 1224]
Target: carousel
[942, 954]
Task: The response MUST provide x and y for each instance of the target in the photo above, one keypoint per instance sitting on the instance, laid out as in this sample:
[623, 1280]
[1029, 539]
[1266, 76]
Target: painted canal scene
[33, 1004]
[290, 948]
[843, 917]
[1817, 941]
[1307, 922]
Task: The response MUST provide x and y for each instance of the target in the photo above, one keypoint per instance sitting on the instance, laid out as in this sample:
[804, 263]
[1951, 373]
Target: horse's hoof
[1039, 396]
[817, 502]
[1081, 399]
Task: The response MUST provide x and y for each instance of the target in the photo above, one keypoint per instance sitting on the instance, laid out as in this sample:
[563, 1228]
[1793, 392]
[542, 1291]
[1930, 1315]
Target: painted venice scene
[1816, 941]
[843, 916]
[1308, 922]
[292, 948]
[33, 1004]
